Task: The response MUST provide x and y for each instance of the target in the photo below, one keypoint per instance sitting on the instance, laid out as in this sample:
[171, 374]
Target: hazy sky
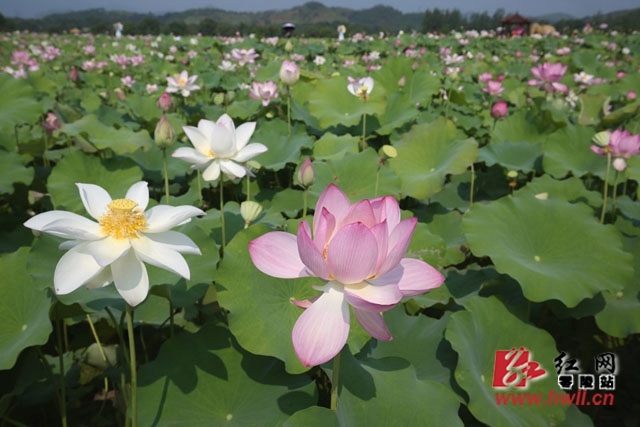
[578, 8]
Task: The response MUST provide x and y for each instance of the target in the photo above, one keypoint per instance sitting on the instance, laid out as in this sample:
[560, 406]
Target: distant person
[118, 27]
[341, 32]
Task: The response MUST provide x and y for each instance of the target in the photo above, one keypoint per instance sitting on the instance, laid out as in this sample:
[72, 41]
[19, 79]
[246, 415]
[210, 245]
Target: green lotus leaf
[399, 111]
[206, 379]
[13, 171]
[473, 335]
[621, 314]
[283, 148]
[621, 114]
[24, 309]
[17, 104]
[355, 174]
[144, 107]
[334, 147]
[519, 156]
[314, 416]
[633, 168]
[333, 105]
[520, 126]
[104, 136]
[592, 108]
[389, 392]
[566, 151]
[115, 176]
[571, 189]
[427, 154]
[554, 249]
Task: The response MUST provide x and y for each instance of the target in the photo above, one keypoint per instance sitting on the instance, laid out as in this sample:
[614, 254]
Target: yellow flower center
[182, 81]
[123, 220]
[362, 93]
[210, 153]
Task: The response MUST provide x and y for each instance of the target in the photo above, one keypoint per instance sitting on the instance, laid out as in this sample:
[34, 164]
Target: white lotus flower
[115, 248]
[361, 87]
[219, 146]
[182, 83]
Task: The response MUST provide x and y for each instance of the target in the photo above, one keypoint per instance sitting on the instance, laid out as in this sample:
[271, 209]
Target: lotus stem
[375, 192]
[335, 377]
[166, 175]
[199, 188]
[289, 109]
[473, 180]
[224, 240]
[305, 201]
[364, 129]
[133, 409]
[606, 189]
[63, 389]
[615, 193]
[100, 349]
[248, 188]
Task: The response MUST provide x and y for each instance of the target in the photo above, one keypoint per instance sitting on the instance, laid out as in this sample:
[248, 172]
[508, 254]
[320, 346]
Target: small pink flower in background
[151, 88]
[137, 60]
[631, 95]
[499, 110]
[357, 250]
[50, 53]
[244, 56]
[264, 92]
[289, 73]
[73, 75]
[182, 83]
[128, 81]
[622, 145]
[297, 57]
[20, 57]
[51, 123]
[493, 88]
[485, 77]
[90, 50]
[164, 102]
[620, 74]
[547, 77]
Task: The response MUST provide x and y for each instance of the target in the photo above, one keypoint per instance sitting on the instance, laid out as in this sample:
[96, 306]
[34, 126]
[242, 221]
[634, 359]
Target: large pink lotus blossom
[547, 76]
[357, 250]
[622, 145]
[264, 92]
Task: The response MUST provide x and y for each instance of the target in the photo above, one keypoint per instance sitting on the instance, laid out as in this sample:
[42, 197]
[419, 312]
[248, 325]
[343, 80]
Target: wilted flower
[115, 248]
[219, 146]
[361, 87]
[499, 110]
[182, 83]
[289, 73]
[548, 75]
[622, 145]
[264, 92]
[357, 250]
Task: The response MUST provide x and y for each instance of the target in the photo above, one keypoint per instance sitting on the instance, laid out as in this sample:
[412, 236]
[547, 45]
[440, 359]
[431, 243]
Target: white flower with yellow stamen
[182, 83]
[360, 87]
[115, 248]
[219, 146]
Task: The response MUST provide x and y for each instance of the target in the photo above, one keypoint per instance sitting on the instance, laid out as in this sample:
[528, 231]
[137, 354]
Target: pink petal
[386, 208]
[305, 303]
[335, 201]
[381, 233]
[322, 330]
[373, 296]
[324, 227]
[360, 212]
[276, 254]
[373, 323]
[412, 276]
[399, 240]
[352, 254]
[309, 253]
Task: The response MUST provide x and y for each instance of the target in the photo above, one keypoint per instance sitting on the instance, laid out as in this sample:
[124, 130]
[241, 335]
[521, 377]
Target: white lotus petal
[65, 224]
[161, 256]
[212, 172]
[198, 139]
[131, 279]
[191, 155]
[107, 250]
[74, 269]
[243, 134]
[139, 193]
[161, 218]
[176, 241]
[249, 152]
[232, 169]
[94, 198]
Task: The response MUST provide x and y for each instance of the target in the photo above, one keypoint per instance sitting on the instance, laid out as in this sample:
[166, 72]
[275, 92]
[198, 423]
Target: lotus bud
[120, 94]
[306, 174]
[619, 164]
[164, 102]
[250, 211]
[402, 82]
[218, 99]
[289, 73]
[164, 134]
[230, 96]
[73, 75]
[289, 46]
[499, 110]
[601, 138]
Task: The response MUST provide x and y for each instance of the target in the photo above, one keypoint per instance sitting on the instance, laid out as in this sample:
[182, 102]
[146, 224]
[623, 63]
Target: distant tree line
[443, 21]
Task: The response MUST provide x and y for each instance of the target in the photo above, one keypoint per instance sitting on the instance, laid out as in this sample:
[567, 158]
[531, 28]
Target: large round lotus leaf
[485, 327]
[399, 111]
[205, 379]
[519, 156]
[427, 154]
[633, 168]
[283, 148]
[418, 339]
[554, 249]
[520, 126]
[13, 170]
[355, 174]
[381, 392]
[621, 314]
[105, 136]
[418, 86]
[592, 108]
[567, 151]
[24, 309]
[571, 189]
[17, 103]
[333, 105]
[115, 176]
[314, 416]
[333, 147]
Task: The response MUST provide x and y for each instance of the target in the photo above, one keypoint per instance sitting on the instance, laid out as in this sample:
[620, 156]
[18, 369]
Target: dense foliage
[537, 236]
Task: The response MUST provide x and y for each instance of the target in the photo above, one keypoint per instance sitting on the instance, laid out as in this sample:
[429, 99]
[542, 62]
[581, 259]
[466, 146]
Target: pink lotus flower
[289, 73]
[485, 77]
[493, 88]
[547, 77]
[264, 92]
[499, 110]
[51, 123]
[622, 145]
[357, 250]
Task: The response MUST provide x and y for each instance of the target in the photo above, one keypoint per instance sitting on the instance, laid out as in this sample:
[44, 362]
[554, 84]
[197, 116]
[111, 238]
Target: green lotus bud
[289, 46]
[230, 96]
[250, 211]
[306, 174]
[218, 98]
[602, 138]
[164, 134]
